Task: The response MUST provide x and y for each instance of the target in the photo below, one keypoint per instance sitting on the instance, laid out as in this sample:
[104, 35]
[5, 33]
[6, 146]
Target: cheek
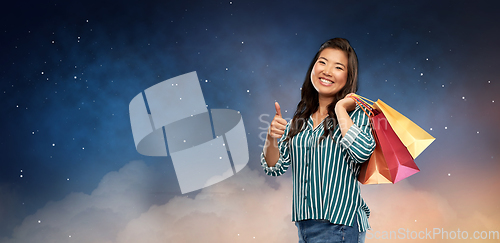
[313, 78]
[343, 77]
[313, 73]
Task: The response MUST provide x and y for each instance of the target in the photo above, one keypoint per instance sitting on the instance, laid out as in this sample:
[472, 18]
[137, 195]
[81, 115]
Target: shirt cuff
[350, 136]
[267, 168]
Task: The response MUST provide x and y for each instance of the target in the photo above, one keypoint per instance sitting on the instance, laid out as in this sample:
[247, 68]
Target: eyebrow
[335, 63]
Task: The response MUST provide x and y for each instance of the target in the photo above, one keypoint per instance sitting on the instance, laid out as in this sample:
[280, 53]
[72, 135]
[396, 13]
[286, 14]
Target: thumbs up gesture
[277, 128]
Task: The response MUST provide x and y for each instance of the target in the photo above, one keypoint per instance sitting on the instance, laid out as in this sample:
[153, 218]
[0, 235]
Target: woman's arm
[271, 151]
[357, 137]
[275, 158]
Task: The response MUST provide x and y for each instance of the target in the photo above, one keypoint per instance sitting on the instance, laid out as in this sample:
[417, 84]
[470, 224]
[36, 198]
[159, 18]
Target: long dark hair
[309, 102]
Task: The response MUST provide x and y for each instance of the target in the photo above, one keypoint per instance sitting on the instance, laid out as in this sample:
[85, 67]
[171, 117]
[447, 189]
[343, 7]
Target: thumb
[278, 109]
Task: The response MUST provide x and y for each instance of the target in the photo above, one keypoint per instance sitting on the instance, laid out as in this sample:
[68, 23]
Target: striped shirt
[325, 175]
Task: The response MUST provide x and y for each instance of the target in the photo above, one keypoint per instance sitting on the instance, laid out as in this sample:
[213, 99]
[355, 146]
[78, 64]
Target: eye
[340, 67]
[322, 62]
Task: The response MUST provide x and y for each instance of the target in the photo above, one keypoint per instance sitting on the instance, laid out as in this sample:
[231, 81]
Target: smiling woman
[325, 143]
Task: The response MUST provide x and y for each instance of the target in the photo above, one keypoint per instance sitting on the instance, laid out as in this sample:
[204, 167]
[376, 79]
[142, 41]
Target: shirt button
[305, 197]
[305, 181]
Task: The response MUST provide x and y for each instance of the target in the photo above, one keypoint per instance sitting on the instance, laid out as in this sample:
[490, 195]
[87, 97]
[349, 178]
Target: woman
[325, 143]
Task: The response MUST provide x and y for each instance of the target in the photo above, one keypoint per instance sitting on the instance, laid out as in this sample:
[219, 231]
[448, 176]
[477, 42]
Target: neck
[323, 104]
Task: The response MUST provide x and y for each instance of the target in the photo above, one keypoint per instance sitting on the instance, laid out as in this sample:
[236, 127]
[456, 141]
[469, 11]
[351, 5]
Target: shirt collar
[329, 123]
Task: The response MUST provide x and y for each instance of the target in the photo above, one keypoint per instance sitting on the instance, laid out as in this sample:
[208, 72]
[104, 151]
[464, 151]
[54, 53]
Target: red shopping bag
[397, 157]
[391, 160]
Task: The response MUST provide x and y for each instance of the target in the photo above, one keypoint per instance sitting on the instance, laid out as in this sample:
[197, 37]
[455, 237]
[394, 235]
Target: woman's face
[329, 74]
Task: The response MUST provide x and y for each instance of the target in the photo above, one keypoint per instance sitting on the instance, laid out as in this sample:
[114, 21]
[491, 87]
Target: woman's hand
[278, 125]
[341, 108]
[347, 104]
[276, 130]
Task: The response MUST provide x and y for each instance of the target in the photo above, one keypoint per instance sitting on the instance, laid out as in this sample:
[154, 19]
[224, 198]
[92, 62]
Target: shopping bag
[413, 137]
[375, 170]
[391, 161]
[398, 159]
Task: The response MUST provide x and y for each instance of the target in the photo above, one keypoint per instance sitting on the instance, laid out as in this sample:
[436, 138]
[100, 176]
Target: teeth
[326, 81]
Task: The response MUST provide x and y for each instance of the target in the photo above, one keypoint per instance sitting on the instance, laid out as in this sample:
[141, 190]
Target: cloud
[121, 209]
[243, 208]
[404, 208]
[402, 205]
[98, 217]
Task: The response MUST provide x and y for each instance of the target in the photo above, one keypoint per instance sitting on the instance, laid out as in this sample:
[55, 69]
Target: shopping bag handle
[367, 109]
[364, 99]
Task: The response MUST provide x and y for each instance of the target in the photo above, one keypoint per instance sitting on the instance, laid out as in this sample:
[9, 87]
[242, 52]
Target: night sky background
[69, 170]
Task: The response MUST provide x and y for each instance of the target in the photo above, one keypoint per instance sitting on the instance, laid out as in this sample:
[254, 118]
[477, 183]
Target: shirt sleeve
[284, 159]
[358, 141]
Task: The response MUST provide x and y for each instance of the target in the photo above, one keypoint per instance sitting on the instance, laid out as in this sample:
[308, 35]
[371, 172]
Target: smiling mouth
[326, 81]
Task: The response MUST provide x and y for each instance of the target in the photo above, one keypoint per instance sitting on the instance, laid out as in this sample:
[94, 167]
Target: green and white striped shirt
[325, 175]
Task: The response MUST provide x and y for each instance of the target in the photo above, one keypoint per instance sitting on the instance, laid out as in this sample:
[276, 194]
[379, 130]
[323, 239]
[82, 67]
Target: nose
[327, 71]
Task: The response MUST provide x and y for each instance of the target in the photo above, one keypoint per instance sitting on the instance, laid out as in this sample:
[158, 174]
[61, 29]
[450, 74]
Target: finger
[278, 109]
[281, 121]
[279, 126]
[276, 133]
[276, 136]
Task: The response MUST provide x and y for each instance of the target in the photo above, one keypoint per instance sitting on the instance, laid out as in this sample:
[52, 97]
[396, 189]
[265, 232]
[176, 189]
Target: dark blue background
[70, 68]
